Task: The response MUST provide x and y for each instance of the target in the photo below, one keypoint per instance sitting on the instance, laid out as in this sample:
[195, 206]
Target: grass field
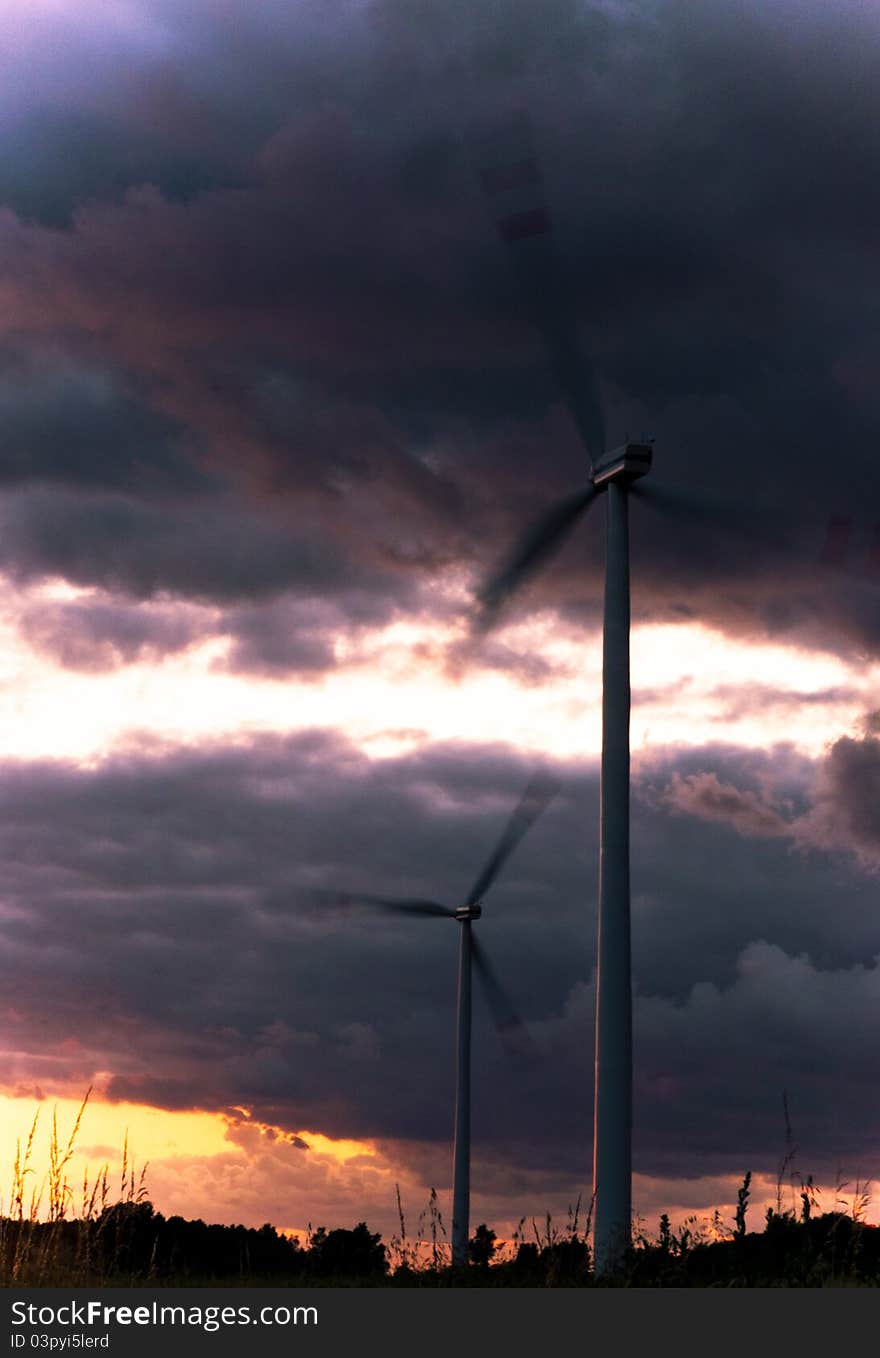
[107, 1233]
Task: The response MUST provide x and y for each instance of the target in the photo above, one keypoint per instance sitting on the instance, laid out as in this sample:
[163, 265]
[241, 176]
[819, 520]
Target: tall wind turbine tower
[612, 476]
[612, 1108]
[524, 225]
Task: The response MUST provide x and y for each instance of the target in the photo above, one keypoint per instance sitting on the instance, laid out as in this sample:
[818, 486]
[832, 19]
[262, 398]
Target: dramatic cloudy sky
[271, 403]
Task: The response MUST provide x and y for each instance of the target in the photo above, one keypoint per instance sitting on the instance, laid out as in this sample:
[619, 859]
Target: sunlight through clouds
[393, 690]
[310, 310]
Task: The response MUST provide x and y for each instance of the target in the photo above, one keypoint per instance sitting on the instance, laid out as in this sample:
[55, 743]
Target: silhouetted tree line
[809, 1252]
[789, 1252]
[131, 1241]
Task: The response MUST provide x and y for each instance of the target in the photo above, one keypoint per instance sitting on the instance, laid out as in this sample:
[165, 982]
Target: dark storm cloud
[834, 809]
[60, 159]
[279, 637]
[740, 700]
[291, 636]
[705, 796]
[78, 427]
[218, 551]
[847, 799]
[99, 635]
[523, 663]
[298, 265]
[725, 1059]
[162, 907]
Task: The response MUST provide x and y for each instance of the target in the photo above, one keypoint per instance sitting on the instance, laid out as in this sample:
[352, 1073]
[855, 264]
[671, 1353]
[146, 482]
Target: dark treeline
[816, 1251]
[130, 1242]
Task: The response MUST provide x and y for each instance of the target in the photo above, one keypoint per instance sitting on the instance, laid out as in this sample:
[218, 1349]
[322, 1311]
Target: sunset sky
[271, 406]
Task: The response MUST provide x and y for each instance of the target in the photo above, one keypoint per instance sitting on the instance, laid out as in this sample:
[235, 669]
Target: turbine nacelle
[468, 912]
[626, 463]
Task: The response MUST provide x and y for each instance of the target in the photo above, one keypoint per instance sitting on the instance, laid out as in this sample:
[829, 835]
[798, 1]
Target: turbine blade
[540, 277]
[537, 546]
[681, 501]
[330, 899]
[511, 1028]
[772, 530]
[409, 907]
[541, 790]
[511, 178]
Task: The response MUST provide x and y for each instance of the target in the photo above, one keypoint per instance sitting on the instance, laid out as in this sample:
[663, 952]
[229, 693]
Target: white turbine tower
[512, 180]
[612, 476]
[522, 220]
[471, 956]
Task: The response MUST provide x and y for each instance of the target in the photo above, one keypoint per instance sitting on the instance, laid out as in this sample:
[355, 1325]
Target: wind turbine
[539, 792]
[511, 179]
[612, 475]
[513, 184]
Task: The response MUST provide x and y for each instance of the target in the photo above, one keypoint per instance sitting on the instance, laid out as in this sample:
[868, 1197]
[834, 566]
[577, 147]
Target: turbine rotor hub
[626, 463]
[468, 912]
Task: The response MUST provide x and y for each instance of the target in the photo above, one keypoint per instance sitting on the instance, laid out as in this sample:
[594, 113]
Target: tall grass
[42, 1243]
[55, 1232]
[429, 1250]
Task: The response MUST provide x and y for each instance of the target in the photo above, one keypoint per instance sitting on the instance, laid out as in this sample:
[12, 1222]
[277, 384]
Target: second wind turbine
[542, 787]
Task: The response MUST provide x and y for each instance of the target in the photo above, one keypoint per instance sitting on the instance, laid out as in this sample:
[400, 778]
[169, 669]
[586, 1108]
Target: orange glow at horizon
[153, 1141]
[213, 1166]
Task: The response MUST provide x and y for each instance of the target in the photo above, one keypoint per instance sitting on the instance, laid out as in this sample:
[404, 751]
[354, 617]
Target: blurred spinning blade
[511, 1028]
[541, 790]
[331, 899]
[512, 181]
[537, 545]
